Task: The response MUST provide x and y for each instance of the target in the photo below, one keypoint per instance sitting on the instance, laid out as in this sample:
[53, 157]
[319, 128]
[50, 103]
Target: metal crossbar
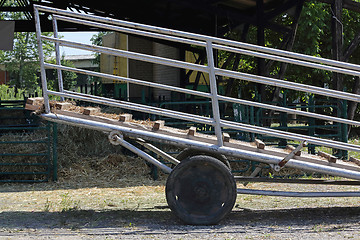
[209, 44]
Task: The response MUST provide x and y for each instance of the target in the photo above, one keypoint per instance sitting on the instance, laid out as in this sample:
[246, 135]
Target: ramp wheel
[188, 152]
[201, 190]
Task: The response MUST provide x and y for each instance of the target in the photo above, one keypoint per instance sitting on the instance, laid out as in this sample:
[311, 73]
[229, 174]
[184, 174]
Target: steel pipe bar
[297, 181]
[214, 93]
[41, 60]
[159, 152]
[139, 107]
[143, 154]
[288, 85]
[200, 37]
[288, 110]
[203, 94]
[132, 31]
[289, 136]
[129, 80]
[204, 120]
[184, 142]
[231, 125]
[110, 100]
[58, 57]
[288, 60]
[297, 194]
[129, 54]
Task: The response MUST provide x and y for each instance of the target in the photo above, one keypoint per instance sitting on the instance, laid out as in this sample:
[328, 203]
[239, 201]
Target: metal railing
[29, 155]
[209, 44]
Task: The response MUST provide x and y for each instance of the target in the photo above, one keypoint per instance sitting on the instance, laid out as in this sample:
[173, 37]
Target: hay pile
[84, 156]
[18, 156]
[87, 155]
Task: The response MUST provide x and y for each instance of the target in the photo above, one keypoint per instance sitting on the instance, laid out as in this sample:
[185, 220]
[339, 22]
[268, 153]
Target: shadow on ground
[158, 220]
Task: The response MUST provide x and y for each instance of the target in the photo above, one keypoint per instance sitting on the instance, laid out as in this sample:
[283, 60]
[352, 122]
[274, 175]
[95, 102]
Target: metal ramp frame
[214, 175]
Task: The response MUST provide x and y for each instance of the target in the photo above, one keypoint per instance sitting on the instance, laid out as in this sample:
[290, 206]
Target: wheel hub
[201, 193]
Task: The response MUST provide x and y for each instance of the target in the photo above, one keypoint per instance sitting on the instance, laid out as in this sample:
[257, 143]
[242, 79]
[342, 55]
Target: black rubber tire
[189, 152]
[201, 190]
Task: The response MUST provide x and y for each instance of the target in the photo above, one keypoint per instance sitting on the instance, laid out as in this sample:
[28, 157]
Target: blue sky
[82, 37]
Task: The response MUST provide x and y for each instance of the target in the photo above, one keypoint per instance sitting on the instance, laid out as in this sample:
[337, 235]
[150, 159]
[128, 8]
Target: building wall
[139, 69]
[164, 74]
[117, 66]
[4, 77]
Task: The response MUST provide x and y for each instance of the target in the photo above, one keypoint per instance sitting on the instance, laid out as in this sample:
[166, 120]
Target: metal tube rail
[215, 40]
[41, 60]
[129, 80]
[288, 110]
[129, 54]
[142, 154]
[139, 107]
[227, 124]
[132, 31]
[214, 93]
[289, 136]
[159, 152]
[297, 194]
[287, 60]
[57, 55]
[288, 85]
[182, 90]
[203, 94]
[217, 46]
[183, 142]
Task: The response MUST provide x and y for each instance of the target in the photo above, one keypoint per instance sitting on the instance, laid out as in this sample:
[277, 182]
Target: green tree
[23, 61]
[69, 78]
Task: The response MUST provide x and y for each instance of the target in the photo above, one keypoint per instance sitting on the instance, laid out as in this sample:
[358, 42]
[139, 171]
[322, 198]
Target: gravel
[70, 211]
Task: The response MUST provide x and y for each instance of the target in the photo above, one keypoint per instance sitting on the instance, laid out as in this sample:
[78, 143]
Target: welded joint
[113, 137]
[282, 163]
[116, 138]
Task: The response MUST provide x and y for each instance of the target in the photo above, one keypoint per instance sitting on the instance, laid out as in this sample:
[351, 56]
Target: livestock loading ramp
[200, 188]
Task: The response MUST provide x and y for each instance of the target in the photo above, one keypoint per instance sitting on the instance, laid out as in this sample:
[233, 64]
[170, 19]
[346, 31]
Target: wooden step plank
[328, 156]
[91, 111]
[158, 125]
[355, 160]
[126, 117]
[191, 131]
[63, 105]
[259, 144]
[226, 137]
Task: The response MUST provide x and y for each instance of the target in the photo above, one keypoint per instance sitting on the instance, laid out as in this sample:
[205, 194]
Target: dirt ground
[125, 209]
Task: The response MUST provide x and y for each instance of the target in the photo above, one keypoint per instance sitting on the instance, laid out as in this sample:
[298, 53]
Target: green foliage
[313, 38]
[23, 62]
[69, 78]
[11, 93]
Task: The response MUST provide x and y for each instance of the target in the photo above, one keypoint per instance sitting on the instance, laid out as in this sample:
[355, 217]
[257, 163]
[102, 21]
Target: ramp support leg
[116, 138]
[159, 152]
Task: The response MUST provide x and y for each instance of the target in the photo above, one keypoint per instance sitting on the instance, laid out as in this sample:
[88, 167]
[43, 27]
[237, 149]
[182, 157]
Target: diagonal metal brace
[292, 154]
[116, 138]
[158, 151]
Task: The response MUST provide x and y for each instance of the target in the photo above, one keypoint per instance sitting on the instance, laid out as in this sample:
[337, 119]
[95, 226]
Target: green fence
[27, 145]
